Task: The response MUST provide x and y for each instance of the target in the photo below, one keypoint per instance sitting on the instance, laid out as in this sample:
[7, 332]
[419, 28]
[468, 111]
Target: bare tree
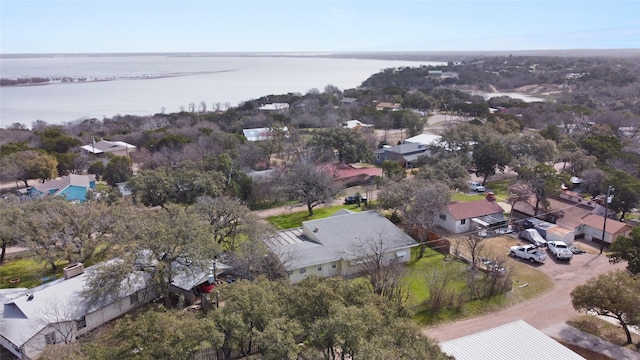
[381, 268]
[309, 184]
[474, 246]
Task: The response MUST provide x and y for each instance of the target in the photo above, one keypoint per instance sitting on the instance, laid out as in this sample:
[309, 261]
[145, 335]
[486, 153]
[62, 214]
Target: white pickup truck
[528, 252]
[560, 250]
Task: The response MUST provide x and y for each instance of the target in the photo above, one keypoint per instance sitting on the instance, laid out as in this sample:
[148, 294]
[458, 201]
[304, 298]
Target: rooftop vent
[29, 297]
[73, 270]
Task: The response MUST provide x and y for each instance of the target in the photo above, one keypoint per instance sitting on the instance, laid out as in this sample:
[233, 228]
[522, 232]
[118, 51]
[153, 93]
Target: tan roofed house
[593, 224]
[388, 106]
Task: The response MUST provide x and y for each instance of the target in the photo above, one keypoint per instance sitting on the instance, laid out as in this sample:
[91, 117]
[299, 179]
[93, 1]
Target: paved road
[552, 308]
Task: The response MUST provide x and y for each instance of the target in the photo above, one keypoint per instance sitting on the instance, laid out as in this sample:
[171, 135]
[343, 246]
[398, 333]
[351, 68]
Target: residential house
[348, 101]
[72, 187]
[424, 139]
[388, 106]
[274, 107]
[405, 154]
[355, 124]
[351, 174]
[57, 311]
[585, 217]
[463, 217]
[259, 134]
[119, 148]
[592, 226]
[338, 245]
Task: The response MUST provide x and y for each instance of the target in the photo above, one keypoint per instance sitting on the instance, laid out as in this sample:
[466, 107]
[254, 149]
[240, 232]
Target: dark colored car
[351, 199]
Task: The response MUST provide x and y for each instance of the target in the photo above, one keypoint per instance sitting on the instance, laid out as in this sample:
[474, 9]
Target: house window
[333, 266]
[289, 272]
[319, 268]
[81, 323]
[443, 217]
[378, 157]
[50, 338]
[133, 298]
[303, 270]
[463, 221]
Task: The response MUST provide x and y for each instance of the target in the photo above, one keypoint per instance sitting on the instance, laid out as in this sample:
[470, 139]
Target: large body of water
[148, 84]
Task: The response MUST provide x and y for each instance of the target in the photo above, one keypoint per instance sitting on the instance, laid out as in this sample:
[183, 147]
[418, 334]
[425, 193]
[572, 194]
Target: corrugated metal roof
[516, 340]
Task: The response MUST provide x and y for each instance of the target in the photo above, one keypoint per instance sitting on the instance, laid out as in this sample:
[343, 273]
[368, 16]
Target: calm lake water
[148, 84]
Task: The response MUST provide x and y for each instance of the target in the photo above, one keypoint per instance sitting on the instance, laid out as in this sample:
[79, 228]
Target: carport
[490, 225]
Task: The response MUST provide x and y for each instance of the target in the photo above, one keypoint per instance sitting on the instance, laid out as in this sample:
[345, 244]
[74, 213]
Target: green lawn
[499, 188]
[415, 279]
[294, 220]
[29, 271]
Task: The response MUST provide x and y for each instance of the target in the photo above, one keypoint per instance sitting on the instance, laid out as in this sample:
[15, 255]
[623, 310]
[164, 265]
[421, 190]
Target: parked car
[476, 186]
[533, 236]
[560, 250]
[351, 199]
[528, 252]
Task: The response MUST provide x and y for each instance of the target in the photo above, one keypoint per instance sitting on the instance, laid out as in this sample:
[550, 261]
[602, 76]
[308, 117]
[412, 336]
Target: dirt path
[552, 308]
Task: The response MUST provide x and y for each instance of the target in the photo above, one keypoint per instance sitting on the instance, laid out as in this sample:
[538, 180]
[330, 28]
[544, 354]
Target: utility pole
[606, 210]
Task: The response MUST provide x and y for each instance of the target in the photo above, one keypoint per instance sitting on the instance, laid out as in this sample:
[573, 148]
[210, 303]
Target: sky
[92, 26]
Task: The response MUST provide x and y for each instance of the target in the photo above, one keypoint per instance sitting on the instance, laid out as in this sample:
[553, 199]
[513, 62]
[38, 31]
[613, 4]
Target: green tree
[10, 218]
[56, 229]
[542, 180]
[613, 294]
[119, 169]
[449, 170]
[627, 249]
[393, 170]
[490, 157]
[413, 122]
[603, 147]
[164, 243]
[350, 145]
[627, 191]
[181, 186]
[97, 169]
[156, 334]
[27, 165]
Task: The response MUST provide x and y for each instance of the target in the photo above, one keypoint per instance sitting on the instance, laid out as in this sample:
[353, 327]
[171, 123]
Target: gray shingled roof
[21, 318]
[336, 237]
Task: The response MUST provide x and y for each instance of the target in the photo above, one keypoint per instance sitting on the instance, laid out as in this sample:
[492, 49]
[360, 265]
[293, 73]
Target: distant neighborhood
[410, 189]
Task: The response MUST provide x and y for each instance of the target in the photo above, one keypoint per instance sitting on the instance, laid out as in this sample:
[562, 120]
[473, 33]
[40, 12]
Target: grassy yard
[294, 220]
[605, 330]
[527, 283]
[29, 272]
[499, 188]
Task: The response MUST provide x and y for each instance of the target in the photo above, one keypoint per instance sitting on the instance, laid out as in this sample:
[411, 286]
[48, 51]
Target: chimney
[73, 270]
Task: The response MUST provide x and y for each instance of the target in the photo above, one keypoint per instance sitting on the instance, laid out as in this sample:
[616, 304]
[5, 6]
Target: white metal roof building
[516, 340]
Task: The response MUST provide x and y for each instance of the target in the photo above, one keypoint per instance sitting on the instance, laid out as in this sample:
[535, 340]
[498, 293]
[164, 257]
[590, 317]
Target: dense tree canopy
[613, 294]
[349, 145]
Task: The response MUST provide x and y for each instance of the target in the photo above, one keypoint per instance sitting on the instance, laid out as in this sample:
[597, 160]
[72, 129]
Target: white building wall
[323, 270]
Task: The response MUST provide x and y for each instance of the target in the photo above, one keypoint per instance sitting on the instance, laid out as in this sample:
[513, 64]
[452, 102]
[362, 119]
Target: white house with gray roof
[56, 312]
[333, 246]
